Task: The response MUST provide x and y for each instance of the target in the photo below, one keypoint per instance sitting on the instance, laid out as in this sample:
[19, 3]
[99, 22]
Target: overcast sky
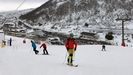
[8, 5]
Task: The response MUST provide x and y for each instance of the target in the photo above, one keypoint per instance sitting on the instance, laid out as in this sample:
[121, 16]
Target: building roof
[87, 33]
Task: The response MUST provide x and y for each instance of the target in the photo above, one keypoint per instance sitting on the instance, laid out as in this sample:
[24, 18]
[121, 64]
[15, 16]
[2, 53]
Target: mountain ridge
[78, 12]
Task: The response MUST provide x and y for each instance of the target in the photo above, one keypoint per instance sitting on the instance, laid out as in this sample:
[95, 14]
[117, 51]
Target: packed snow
[19, 59]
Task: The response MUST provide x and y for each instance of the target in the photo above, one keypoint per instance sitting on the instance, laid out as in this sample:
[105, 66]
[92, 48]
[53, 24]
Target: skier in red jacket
[44, 49]
[71, 46]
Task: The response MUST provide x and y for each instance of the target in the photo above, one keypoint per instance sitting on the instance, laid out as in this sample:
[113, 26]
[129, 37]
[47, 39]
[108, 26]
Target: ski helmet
[71, 35]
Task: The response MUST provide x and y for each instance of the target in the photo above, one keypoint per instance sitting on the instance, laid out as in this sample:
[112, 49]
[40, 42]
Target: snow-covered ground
[19, 59]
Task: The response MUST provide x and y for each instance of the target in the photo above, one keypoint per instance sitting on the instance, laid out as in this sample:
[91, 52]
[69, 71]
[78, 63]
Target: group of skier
[45, 52]
[70, 44]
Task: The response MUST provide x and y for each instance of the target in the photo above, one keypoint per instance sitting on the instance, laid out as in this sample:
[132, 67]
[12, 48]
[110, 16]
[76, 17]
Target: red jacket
[43, 45]
[71, 43]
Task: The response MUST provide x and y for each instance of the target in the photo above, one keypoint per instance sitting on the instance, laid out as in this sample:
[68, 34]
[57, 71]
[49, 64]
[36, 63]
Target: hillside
[9, 16]
[62, 14]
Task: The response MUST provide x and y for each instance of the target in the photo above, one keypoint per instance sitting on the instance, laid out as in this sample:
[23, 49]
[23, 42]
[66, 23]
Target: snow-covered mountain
[71, 15]
[10, 16]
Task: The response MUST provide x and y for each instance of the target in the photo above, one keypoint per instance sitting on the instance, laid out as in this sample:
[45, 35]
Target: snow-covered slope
[19, 59]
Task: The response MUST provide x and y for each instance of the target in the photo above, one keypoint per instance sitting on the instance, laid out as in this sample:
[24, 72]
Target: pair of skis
[72, 65]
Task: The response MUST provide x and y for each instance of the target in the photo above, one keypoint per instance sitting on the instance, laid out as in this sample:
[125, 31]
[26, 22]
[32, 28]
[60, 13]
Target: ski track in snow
[19, 59]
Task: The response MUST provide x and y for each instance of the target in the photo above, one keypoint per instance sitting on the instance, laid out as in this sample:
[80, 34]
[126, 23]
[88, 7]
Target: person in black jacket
[103, 48]
[10, 42]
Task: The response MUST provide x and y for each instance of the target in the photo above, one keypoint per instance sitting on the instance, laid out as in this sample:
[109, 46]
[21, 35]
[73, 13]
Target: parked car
[55, 41]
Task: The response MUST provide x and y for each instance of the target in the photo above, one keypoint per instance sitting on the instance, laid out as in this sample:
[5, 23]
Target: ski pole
[65, 58]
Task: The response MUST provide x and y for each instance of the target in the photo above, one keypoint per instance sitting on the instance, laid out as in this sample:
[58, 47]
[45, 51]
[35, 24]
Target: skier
[10, 42]
[103, 47]
[44, 49]
[34, 47]
[71, 46]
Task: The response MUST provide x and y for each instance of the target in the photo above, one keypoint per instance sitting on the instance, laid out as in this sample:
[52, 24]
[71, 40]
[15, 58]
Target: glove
[74, 49]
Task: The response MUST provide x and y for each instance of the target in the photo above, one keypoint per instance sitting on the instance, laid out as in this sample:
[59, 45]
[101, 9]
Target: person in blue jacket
[34, 47]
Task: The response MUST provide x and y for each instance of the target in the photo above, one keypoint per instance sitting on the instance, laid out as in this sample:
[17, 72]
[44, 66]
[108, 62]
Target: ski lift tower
[16, 23]
[123, 20]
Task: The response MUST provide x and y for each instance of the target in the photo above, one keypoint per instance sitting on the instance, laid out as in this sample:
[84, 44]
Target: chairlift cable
[17, 10]
[20, 5]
